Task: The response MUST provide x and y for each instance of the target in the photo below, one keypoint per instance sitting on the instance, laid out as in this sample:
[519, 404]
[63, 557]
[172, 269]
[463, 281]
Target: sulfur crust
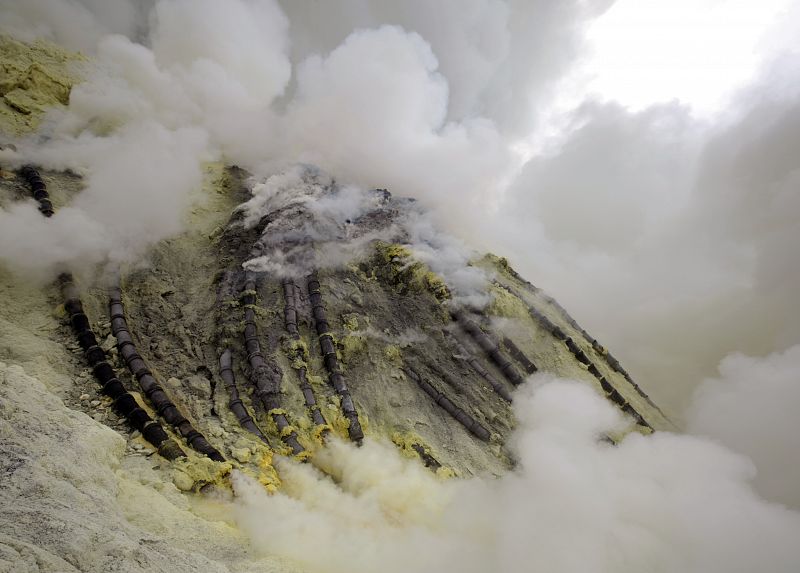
[400, 268]
[34, 78]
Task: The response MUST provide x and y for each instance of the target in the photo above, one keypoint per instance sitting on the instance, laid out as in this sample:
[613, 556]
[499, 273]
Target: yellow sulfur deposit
[267, 476]
[194, 472]
[33, 78]
[320, 430]
[397, 265]
[393, 354]
[351, 346]
[506, 304]
[405, 441]
[297, 352]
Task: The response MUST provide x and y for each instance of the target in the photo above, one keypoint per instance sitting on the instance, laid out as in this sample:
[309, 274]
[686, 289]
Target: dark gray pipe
[427, 459]
[147, 382]
[519, 356]
[489, 346]
[229, 320]
[328, 350]
[38, 188]
[548, 325]
[235, 402]
[290, 323]
[496, 385]
[448, 406]
[265, 377]
[124, 403]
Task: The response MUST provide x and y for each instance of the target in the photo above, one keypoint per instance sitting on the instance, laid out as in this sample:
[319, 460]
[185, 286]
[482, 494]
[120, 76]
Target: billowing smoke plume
[670, 237]
[666, 503]
[750, 408]
[683, 229]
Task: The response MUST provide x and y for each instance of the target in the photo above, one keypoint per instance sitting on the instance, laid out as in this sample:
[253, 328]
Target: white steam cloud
[670, 238]
[663, 503]
[684, 230]
[751, 408]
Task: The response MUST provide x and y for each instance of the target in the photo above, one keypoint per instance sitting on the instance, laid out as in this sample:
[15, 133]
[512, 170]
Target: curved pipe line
[328, 350]
[290, 323]
[448, 406]
[148, 383]
[234, 401]
[489, 346]
[38, 188]
[265, 378]
[124, 403]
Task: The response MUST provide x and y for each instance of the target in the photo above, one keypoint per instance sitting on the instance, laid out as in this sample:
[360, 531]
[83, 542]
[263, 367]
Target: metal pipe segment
[290, 323]
[489, 346]
[496, 385]
[234, 401]
[328, 350]
[148, 383]
[38, 188]
[124, 403]
[448, 406]
[266, 378]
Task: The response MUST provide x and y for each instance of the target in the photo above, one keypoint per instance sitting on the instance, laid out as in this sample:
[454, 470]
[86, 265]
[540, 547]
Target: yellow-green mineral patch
[350, 321]
[351, 346]
[506, 304]
[33, 78]
[397, 265]
[393, 354]
[297, 352]
[194, 472]
[405, 441]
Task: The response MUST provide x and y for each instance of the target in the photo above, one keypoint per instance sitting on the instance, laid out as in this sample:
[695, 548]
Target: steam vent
[292, 317]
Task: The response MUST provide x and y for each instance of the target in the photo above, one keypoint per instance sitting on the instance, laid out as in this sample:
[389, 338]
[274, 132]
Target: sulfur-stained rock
[182, 480]
[241, 455]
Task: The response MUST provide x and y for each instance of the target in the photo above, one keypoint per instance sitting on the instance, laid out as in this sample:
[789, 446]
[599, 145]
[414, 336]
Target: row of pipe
[518, 355]
[328, 349]
[124, 403]
[448, 406]
[148, 383]
[38, 188]
[610, 392]
[290, 314]
[613, 395]
[489, 346]
[265, 377]
[612, 362]
[470, 359]
[235, 403]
